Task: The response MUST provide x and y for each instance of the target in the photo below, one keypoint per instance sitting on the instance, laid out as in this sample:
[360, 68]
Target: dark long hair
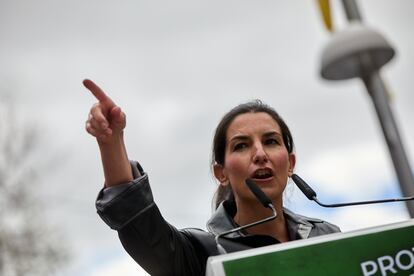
[219, 141]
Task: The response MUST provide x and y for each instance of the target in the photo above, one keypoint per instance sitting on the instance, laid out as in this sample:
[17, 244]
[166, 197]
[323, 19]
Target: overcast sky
[176, 67]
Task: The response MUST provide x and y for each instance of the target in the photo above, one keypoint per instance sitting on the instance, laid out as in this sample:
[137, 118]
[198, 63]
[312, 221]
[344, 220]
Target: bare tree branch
[28, 246]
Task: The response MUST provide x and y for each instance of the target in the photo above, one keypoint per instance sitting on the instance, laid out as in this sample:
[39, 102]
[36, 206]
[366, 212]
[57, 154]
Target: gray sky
[176, 67]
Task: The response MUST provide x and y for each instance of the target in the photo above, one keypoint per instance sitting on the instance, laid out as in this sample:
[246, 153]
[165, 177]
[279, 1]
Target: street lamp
[360, 52]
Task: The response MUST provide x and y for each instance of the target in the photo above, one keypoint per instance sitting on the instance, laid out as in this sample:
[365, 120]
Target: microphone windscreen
[261, 196]
[306, 190]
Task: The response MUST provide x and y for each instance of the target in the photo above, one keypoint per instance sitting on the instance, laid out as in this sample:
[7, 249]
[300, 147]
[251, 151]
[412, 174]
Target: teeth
[262, 172]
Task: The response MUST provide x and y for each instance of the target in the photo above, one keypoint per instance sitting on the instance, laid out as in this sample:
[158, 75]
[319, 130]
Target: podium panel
[383, 250]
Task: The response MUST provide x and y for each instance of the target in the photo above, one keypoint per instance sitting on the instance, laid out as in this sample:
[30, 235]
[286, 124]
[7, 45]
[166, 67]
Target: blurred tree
[28, 245]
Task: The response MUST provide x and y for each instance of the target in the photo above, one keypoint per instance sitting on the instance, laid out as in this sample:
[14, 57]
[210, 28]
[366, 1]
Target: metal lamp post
[360, 52]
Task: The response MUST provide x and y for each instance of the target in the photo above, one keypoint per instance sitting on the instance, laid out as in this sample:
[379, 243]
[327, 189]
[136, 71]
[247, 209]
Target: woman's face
[255, 150]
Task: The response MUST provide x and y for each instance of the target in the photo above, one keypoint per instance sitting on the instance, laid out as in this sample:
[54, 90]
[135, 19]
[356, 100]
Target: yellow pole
[325, 9]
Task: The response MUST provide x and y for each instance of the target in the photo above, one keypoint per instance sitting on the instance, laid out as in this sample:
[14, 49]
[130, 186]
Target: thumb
[117, 116]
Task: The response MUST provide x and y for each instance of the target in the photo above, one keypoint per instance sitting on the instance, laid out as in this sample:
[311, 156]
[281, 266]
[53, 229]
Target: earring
[225, 183]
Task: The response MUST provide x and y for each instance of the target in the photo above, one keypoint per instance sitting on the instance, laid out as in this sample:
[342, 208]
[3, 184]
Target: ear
[292, 162]
[220, 174]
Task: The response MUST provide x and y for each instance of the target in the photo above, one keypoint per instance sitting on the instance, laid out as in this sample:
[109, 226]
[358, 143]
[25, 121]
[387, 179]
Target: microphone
[311, 195]
[262, 197]
[264, 200]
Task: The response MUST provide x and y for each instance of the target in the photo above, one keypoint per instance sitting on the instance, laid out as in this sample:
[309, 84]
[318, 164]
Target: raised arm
[106, 122]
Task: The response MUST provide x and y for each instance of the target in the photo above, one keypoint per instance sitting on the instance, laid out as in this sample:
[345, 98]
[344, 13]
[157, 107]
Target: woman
[251, 141]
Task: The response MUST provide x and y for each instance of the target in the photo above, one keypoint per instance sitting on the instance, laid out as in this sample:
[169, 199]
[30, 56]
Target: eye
[271, 141]
[239, 146]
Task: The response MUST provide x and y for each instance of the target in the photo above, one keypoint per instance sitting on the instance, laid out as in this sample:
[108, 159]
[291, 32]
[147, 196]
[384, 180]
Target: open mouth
[261, 174]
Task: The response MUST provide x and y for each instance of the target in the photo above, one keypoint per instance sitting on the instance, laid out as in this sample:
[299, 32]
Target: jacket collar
[299, 227]
[222, 220]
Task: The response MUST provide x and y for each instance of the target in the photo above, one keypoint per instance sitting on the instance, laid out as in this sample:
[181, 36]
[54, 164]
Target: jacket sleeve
[153, 243]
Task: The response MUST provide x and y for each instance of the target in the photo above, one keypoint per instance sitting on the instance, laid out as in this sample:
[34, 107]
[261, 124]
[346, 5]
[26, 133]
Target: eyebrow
[272, 133]
[246, 137]
[239, 137]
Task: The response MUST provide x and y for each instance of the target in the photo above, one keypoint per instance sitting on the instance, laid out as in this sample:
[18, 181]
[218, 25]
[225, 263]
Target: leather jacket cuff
[120, 209]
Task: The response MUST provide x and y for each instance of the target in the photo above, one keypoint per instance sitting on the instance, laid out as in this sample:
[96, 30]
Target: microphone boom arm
[221, 248]
[311, 195]
[264, 200]
[362, 202]
[250, 224]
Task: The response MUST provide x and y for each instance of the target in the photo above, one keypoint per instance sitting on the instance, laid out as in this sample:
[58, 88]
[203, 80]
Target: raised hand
[106, 120]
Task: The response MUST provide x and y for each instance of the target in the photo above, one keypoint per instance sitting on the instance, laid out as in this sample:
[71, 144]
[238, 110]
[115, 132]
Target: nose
[260, 155]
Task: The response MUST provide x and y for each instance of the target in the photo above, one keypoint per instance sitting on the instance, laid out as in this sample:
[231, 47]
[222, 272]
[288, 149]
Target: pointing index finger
[97, 91]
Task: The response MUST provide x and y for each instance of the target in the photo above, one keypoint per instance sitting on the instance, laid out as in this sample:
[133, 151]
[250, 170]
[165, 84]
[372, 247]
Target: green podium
[383, 250]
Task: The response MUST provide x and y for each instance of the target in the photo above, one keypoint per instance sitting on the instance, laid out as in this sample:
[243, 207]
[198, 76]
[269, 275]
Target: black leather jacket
[161, 249]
